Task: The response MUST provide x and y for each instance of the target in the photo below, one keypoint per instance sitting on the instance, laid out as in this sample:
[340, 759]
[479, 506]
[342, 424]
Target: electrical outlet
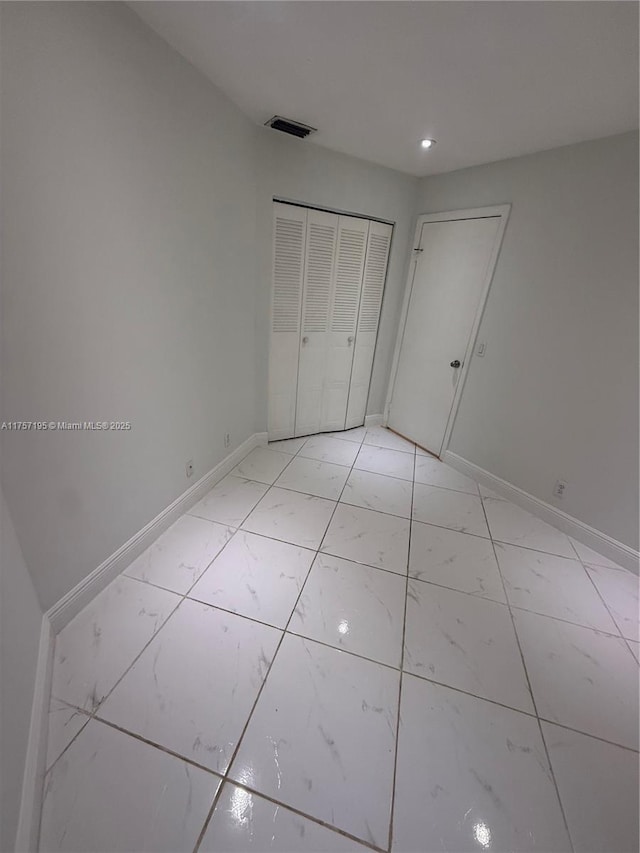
[227, 439]
[189, 468]
[559, 489]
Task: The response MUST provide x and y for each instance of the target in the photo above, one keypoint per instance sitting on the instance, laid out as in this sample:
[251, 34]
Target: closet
[328, 280]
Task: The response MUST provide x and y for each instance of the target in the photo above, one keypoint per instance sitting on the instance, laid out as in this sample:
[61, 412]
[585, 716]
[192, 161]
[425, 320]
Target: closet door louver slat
[290, 225]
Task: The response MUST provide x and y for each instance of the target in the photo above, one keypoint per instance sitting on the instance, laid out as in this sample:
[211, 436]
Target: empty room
[319, 427]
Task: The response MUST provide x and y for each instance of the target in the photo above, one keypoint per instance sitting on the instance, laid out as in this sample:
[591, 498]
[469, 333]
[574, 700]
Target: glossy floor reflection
[345, 646]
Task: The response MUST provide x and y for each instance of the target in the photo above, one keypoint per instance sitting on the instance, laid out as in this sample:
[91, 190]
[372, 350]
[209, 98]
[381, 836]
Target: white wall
[20, 621]
[128, 205]
[313, 175]
[556, 394]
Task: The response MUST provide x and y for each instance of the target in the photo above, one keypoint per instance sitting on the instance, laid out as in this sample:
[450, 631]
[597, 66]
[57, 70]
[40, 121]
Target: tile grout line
[207, 820]
[526, 673]
[606, 606]
[517, 607]
[273, 659]
[83, 712]
[402, 650]
[223, 779]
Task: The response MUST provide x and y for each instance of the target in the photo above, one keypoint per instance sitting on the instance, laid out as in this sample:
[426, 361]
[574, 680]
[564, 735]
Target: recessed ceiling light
[427, 143]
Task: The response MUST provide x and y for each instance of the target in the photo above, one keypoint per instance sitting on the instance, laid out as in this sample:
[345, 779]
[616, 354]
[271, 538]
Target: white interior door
[322, 230]
[347, 285]
[449, 284]
[289, 229]
[375, 272]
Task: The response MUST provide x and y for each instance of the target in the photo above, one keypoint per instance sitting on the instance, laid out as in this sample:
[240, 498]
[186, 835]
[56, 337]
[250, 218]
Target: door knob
[350, 340]
[305, 340]
[455, 363]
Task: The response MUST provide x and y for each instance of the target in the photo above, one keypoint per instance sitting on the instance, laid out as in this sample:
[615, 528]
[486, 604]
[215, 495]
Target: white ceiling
[487, 80]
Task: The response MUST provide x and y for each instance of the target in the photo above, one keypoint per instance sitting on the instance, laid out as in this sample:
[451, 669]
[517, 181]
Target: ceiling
[487, 80]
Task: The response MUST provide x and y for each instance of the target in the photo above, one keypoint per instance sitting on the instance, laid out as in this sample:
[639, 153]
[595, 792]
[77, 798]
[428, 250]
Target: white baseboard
[600, 542]
[72, 603]
[35, 760]
[373, 420]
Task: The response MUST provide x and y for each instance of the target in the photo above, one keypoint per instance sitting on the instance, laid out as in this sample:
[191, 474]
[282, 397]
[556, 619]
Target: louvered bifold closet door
[375, 272]
[347, 285]
[290, 226]
[322, 229]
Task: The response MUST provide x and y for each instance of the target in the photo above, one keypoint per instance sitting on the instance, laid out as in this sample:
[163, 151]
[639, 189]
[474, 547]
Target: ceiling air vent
[287, 125]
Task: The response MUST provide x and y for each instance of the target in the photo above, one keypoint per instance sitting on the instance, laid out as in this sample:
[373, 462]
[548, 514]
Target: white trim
[600, 542]
[373, 420]
[498, 210]
[74, 601]
[35, 760]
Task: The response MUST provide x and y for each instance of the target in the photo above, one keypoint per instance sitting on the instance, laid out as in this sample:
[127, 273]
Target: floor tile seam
[316, 820]
[92, 714]
[535, 550]
[264, 680]
[453, 529]
[354, 467]
[322, 461]
[302, 492]
[337, 504]
[307, 578]
[269, 669]
[607, 608]
[530, 688]
[447, 488]
[229, 527]
[383, 511]
[386, 447]
[402, 653]
[209, 815]
[598, 631]
[225, 776]
[516, 607]
[342, 650]
[383, 474]
[499, 541]
[590, 564]
[359, 562]
[591, 736]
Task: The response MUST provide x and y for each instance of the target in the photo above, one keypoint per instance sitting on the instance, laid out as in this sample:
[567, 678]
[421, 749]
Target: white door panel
[288, 265]
[316, 311]
[448, 285]
[349, 268]
[374, 275]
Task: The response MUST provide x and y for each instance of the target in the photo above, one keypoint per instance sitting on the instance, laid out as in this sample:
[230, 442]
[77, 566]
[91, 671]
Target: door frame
[498, 210]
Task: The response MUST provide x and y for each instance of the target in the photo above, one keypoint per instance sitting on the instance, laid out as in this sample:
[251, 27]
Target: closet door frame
[279, 200]
[498, 210]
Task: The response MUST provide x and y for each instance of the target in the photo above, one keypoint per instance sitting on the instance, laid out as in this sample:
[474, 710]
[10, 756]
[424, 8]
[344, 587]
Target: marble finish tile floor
[349, 646]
